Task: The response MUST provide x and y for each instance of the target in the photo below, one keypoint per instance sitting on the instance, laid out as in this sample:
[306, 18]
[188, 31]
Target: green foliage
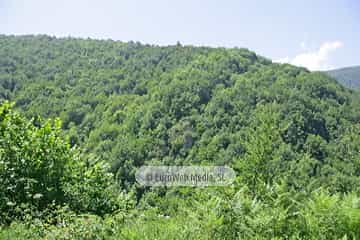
[291, 135]
[38, 169]
[33, 162]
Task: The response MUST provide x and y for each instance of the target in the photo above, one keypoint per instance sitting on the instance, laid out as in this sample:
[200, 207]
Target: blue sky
[318, 34]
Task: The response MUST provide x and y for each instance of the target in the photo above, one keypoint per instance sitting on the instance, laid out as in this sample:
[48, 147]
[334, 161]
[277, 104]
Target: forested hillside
[292, 136]
[349, 77]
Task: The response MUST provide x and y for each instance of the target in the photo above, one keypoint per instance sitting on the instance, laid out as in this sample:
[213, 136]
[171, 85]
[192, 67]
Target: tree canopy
[292, 136]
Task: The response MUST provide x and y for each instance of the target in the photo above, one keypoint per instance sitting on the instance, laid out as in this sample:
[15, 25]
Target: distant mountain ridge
[349, 76]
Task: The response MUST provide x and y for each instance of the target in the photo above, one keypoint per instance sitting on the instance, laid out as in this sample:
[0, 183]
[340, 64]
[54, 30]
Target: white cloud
[303, 45]
[283, 60]
[314, 60]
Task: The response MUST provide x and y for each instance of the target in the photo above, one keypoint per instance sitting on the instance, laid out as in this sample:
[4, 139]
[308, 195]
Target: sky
[317, 34]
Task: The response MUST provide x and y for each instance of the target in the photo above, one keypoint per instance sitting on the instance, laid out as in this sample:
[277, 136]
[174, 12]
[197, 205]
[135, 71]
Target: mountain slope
[292, 136]
[349, 77]
[134, 104]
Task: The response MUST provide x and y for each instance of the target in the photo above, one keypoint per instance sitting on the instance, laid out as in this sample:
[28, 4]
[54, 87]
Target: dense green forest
[349, 77]
[78, 117]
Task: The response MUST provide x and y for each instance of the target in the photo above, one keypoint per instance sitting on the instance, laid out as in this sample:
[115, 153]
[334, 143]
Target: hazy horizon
[318, 35]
